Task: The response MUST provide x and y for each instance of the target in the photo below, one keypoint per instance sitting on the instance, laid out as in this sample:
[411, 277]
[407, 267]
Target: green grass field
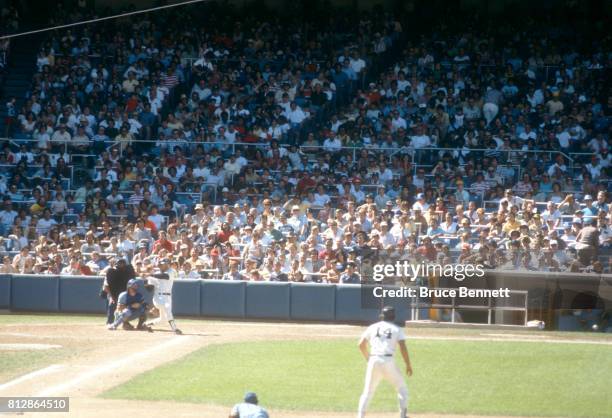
[16, 363]
[463, 377]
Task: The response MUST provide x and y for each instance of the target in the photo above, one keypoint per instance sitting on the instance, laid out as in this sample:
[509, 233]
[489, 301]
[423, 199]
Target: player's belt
[381, 355]
[165, 294]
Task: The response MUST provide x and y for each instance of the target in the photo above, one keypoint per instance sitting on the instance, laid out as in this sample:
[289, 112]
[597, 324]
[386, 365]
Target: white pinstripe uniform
[162, 298]
[383, 337]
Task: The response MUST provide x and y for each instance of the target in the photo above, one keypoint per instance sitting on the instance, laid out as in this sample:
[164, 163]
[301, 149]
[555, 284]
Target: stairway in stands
[21, 68]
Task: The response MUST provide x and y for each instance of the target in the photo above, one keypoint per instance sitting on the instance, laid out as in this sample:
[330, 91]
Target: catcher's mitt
[153, 312]
[149, 287]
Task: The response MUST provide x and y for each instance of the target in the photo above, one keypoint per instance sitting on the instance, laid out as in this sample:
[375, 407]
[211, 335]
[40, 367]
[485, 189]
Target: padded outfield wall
[552, 297]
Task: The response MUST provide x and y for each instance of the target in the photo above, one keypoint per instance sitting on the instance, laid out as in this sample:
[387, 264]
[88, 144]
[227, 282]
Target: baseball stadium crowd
[271, 150]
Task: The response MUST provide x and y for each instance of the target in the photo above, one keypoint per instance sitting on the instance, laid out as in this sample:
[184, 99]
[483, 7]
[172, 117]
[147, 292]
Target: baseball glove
[153, 312]
[149, 287]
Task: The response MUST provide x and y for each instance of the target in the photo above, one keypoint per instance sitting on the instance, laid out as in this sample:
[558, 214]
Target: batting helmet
[388, 313]
[251, 397]
[132, 283]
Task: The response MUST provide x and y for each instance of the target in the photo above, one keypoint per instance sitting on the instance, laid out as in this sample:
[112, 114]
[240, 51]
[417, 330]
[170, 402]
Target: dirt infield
[112, 358]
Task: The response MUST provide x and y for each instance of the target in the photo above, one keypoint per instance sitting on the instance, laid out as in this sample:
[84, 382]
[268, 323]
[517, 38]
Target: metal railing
[541, 70]
[417, 155]
[454, 307]
[354, 149]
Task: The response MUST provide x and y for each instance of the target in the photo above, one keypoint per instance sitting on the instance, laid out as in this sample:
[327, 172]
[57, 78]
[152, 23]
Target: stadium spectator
[310, 162]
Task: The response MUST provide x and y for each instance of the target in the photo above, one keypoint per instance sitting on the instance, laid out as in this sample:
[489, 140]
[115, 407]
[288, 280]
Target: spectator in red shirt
[163, 243]
[328, 252]
[225, 233]
[427, 249]
[306, 183]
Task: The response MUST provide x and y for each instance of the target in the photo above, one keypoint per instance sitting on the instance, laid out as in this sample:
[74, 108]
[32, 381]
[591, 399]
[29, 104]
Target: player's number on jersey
[386, 333]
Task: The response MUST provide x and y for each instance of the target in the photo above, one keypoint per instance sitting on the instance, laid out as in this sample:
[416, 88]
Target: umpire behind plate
[131, 305]
[116, 281]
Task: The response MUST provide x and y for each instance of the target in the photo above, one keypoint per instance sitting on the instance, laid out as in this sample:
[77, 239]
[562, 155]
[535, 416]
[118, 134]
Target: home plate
[17, 347]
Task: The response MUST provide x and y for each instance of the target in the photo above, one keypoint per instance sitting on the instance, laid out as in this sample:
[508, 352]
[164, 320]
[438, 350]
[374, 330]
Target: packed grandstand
[270, 150]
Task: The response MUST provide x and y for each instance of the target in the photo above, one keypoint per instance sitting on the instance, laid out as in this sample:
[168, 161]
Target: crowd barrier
[205, 298]
[550, 297]
[5, 291]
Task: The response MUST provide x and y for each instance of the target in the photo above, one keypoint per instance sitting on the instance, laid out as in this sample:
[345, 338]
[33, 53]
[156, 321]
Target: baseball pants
[110, 311]
[128, 315]
[164, 304]
[383, 368]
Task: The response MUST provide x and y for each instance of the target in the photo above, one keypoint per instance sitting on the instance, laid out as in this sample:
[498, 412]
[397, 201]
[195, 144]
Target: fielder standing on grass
[383, 338]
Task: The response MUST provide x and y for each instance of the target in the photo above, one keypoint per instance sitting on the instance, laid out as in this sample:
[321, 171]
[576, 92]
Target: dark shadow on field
[197, 334]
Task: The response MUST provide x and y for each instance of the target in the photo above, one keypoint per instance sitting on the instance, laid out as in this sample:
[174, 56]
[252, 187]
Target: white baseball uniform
[162, 298]
[383, 337]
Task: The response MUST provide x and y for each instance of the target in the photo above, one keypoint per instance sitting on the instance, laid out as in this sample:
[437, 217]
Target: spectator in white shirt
[295, 114]
[594, 167]
[528, 134]
[59, 205]
[563, 136]
[201, 170]
[420, 203]
[558, 168]
[398, 122]
[61, 137]
[356, 63]
[232, 167]
[598, 144]
[45, 223]
[551, 215]
[321, 197]
[387, 239]
[420, 139]
[332, 143]
[155, 217]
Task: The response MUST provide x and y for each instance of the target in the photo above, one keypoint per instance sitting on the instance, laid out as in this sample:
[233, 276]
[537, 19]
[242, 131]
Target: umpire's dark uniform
[116, 279]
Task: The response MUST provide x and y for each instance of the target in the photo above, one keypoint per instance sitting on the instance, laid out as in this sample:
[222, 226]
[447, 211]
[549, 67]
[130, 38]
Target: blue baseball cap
[132, 283]
[250, 397]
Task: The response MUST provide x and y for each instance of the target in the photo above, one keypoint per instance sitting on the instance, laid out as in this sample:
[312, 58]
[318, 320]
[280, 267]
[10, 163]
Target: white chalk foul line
[29, 376]
[21, 334]
[22, 347]
[110, 367]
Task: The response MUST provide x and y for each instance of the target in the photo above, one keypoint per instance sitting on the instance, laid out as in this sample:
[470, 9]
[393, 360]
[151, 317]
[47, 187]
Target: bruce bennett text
[426, 292]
